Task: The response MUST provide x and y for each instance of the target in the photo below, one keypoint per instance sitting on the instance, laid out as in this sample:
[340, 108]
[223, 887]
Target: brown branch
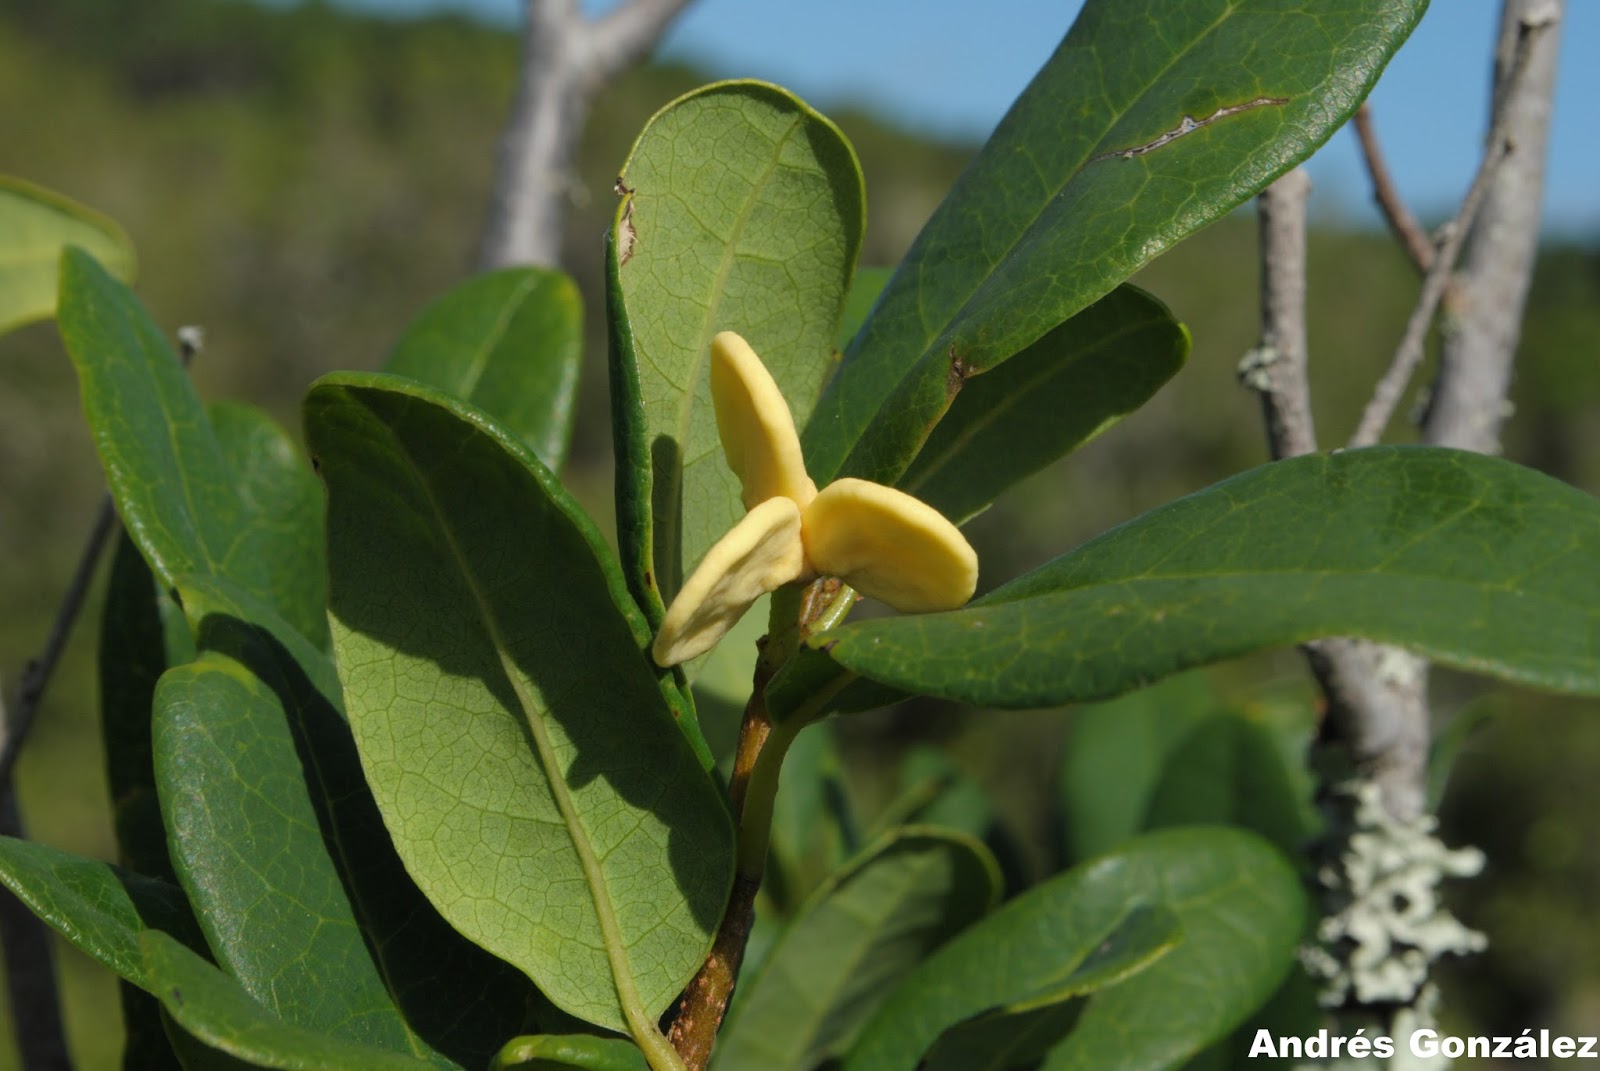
[705, 1001]
[757, 759]
[1404, 225]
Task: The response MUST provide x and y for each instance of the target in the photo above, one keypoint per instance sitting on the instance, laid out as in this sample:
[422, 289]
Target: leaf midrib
[700, 355]
[496, 334]
[1505, 587]
[818, 1013]
[934, 336]
[380, 957]
[994, 412]
[631, 1005]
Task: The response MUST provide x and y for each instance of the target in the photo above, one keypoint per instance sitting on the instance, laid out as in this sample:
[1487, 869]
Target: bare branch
[565, 60]
[1415, 240]
[25, 947]
[1499, 146]
[36, 675]
[627, 34]
[1277, 368]
[1484, 321]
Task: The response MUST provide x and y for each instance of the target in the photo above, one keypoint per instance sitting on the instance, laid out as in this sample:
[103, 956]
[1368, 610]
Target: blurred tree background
[301, 181]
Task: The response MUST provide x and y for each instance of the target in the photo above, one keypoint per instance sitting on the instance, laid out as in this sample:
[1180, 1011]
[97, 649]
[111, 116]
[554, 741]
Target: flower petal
[889, 545]
[756, 426]
[760, 553]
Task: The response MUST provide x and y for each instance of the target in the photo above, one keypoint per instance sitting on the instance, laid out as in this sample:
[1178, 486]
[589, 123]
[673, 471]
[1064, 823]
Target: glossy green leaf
[1239, 909]
[283, 508]
[142, 634]
[249, 849]
[99, 908]
[35, 226]
[863, 294]
[511, 343]
[584, 1052]
[1471, 560]
[1448, 743]
[1023, 1031]
[1125, 142]
[1003, 1041]
[283, 852]
[1047, 401]
[1115, 755]
[934, 792]
[815, 828]
[181, 497]
[1242, 767]
[216, 1010]
[744, 212]
[498, 685]
[851, 942]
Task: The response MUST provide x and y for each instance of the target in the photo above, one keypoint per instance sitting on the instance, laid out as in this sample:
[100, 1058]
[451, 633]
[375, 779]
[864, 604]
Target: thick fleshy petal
[888, 545]
[759, 554]
[755, 425]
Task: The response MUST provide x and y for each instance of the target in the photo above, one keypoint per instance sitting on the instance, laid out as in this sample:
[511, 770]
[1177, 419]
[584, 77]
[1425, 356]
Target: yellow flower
[882, 542]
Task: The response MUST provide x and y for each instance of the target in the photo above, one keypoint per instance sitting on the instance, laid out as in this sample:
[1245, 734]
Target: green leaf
[863, 294]
[182, 500]
[1115, 756]
[1449, 741]
[283, 507]
[1089, 176]
[1238, 904]
[142, 633]
[851, 942]
[548, 1052]
[1470, 560]
[512, 729]
[283, 851]
[35, 226]
[1023, 1031]
[744, 212]
[249, 849]
[1244, 768]
[814, 826]
[1047, 401]
[217, 1011]
[509, 342]
[934, 792]
[100, 908]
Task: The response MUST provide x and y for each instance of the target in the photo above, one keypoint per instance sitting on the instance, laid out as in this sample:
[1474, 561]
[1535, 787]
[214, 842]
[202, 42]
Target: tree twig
[1467, 404]
[1415, 240]
[36, 675]
[751, 790]
[566, 59]
[29, 963]
[1277, 368]
[1408, 355]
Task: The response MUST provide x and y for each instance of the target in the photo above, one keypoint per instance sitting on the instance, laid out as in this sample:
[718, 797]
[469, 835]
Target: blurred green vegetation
[301, 182]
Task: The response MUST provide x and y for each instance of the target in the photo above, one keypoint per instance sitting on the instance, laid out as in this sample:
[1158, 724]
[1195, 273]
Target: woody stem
[752, 789]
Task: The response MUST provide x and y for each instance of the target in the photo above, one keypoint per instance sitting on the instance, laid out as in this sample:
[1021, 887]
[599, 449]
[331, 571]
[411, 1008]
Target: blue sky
[948, 68]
